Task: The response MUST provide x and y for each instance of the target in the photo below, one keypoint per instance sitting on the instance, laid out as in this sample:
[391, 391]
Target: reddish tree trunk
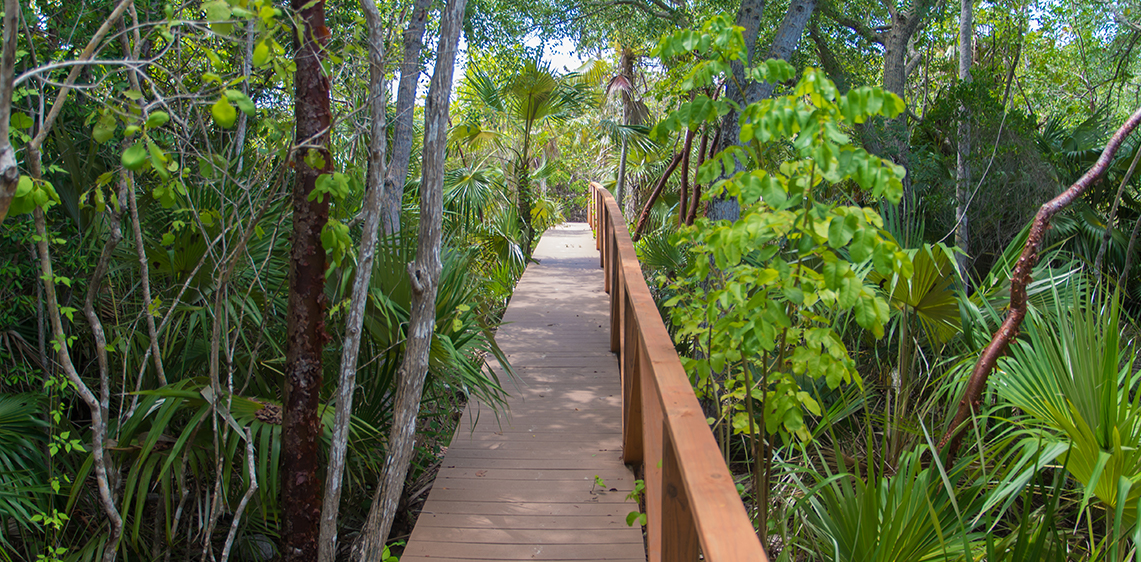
[645, 216]
[305, 331]
[701, 155]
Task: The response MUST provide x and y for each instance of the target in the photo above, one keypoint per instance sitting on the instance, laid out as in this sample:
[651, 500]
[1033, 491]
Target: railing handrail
[691, 499]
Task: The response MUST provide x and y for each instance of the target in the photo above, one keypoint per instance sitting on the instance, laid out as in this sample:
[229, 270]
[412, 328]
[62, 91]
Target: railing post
[597, 218]
[632, 423]
[679, 534]
[617, 297]
[652, 464]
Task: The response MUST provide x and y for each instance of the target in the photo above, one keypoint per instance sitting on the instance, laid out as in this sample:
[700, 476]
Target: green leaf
[218, 11]
[224, 113]
[863, 242]
[157, 119]
[314, 159]
[158, 160]
[20, 121]
[841, 230]
[242, 101]
[261, 54]
[135, 157]
[104, 128]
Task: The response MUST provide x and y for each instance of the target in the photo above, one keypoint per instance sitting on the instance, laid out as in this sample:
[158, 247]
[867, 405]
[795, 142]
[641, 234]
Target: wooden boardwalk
[522, 487]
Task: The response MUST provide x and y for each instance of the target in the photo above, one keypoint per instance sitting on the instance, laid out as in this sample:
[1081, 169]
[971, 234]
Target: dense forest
[253, 257]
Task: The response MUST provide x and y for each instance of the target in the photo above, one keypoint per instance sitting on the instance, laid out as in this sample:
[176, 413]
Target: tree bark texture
[358, 301]
[748, 17]
[626, 71]
[397, 173]
[425, 275]
[784, 43]
[305, 324]
[896, 132]
[1020, 278]
[9, 169]
[962, 162]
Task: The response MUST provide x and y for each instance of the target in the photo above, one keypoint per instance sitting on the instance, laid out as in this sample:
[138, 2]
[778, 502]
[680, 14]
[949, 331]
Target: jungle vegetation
[253, 256]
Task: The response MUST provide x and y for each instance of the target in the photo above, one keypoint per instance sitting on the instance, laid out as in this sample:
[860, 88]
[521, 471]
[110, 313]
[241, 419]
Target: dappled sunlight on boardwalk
[522, 487]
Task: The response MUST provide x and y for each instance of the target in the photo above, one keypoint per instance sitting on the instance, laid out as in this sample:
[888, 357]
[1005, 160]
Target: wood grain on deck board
[521, 486]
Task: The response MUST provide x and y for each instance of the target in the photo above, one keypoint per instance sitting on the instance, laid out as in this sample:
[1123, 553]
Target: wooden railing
[691, 500]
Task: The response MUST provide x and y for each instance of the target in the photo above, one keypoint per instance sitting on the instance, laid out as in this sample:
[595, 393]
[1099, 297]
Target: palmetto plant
[1073, 375]
[914, 514]
[23, 472]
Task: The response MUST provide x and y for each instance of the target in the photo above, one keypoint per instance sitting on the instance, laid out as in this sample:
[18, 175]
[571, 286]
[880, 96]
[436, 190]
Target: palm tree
[509, 110]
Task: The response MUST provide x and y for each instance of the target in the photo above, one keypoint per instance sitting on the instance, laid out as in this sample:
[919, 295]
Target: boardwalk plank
[521, 486]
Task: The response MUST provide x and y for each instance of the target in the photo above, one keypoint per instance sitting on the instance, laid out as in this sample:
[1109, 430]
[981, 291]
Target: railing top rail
[723, 526]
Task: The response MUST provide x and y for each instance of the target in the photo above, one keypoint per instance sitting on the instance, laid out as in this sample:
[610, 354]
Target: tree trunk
[962, 164]
[626, 70]
[425, 275]
[327, 551]
[895, 136]
[683, 191]
[695, 197]
[305, 324]
[784, 43]
[397, 173]
[749, 17]
[620, 185]
[9, 169]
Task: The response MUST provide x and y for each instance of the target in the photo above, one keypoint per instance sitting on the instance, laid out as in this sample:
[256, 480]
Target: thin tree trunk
[9, 169]
[1019, 279]
[397, 173]
[1113, 214]
[523, 191]
[305, 324]
[626, 71]
[144, 279]
[247, 68]
[1121, 279]
[644, 217]
[620, 186]
[424, 275]
[683, 191]
[98, 411]
[136, 226]
[351, 347]
[32, 158]
[963, 154]
[695, 197]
